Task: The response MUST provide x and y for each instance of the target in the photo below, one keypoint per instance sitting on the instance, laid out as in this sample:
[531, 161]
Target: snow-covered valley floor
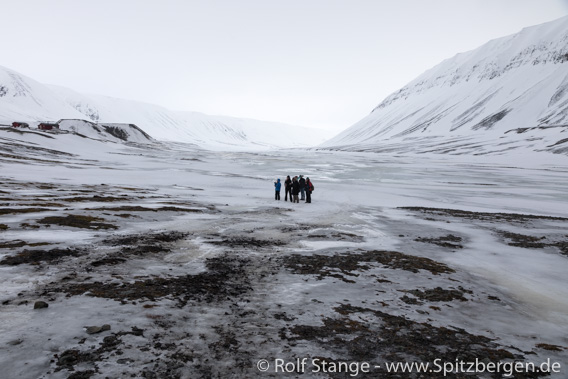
[166, 261]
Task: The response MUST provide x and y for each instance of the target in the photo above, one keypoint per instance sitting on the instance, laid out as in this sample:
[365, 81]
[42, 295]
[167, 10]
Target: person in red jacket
[309, 189]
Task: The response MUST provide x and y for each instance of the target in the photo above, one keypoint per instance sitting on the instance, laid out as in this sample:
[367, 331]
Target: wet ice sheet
[355, 194]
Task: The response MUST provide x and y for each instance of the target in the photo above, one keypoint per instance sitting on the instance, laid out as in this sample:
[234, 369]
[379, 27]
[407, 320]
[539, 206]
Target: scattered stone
[69, 358]
[82, 374]
[123, 361]
[97, 329]
[40, 305]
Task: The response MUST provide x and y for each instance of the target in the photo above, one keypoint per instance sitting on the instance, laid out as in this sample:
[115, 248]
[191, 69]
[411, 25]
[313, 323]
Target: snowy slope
[104, 131]
[24, 99]
[202, 129]
[194, 127]
[509, 93]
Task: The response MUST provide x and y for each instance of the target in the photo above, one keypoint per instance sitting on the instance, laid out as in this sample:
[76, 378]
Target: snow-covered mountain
[24, 99]
[511, 93]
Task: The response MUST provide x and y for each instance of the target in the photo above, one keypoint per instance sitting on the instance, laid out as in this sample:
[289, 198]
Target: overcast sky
[321, 63]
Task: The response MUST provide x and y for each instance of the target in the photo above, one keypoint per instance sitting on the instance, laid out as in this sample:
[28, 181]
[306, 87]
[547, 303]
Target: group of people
[297, 186]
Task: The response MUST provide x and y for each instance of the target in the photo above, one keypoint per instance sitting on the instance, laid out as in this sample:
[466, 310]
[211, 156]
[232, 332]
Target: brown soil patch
[532, 242]
[450, 241]
[484, 216]
[549, 347]
[110, 261]
[78, 221]
[135, 208]
[224, 279]
[7, 211]
[18, 243]
[435, 295]
[138, 245]
[394, 338]
[244, 242]
[36, 256]
[97, 198]
[349, 263]
[152, 238]
[336, 236]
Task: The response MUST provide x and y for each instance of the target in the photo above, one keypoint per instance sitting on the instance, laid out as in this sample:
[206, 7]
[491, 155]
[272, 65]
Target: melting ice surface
[355, 193]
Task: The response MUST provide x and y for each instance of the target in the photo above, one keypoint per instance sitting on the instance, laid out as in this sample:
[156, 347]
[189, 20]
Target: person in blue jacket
[277, 186]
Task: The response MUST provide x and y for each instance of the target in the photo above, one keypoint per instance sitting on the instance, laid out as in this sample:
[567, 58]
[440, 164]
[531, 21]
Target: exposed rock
[40, 305]
[97, 329]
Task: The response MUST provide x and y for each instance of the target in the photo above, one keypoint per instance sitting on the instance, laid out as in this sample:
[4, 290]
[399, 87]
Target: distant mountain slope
[65, 128]
[24, 99]
[511, 93]
[194, 127]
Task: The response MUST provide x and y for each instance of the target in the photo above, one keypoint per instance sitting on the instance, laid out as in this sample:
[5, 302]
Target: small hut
[48, 126]
[19, 124]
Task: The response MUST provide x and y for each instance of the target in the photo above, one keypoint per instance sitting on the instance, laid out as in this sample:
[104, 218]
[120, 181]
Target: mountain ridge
[24, 99]
[513, 82]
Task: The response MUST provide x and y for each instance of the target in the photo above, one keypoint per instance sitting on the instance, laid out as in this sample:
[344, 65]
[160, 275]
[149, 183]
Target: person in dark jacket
[295, 189]
[309, 189]
[277, 186]
[302, 182]
[287, 188]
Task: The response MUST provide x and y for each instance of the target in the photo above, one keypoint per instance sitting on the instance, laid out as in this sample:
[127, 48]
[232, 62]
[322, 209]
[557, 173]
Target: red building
[48, 126]
[18, 124]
